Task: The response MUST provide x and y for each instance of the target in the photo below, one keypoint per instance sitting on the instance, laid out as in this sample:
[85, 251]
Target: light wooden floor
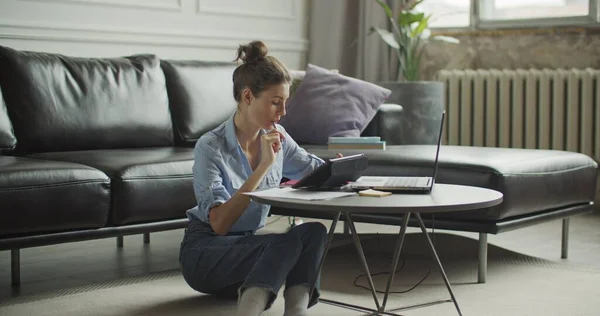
[84, 263]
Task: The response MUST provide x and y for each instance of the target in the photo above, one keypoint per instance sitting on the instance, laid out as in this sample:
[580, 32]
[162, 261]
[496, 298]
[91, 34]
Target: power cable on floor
[399, 269]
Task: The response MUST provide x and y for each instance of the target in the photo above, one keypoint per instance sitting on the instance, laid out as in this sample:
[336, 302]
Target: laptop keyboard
[401, 182]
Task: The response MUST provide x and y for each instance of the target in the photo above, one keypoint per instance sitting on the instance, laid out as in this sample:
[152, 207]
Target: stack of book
[367, 142]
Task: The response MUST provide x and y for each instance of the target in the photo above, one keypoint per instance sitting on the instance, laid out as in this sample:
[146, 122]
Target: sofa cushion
[531, 180]
[297, 77]
[39, 196]
[61, 103]
[328, 104]
[146, 183]
[200, 96]
[7, 137]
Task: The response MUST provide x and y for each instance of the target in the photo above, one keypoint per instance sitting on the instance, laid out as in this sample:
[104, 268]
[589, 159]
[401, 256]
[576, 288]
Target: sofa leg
[483, 247]
[565, 238]
[119, 241]
[15, 265]
[146, 238]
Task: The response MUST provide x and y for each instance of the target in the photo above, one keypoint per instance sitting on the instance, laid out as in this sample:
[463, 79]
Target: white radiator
[524, 108]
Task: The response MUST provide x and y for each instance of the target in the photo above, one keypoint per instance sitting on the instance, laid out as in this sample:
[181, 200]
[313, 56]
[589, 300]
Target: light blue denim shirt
[221, 168]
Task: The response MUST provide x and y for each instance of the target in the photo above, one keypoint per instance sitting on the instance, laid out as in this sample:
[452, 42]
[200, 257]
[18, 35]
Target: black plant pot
[422, 105]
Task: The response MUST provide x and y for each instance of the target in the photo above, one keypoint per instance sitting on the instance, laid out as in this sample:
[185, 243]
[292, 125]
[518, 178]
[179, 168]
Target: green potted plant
[422, 101]
[408, 36]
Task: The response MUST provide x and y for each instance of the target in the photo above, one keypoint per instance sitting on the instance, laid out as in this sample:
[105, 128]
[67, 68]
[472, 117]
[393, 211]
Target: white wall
[177, 29]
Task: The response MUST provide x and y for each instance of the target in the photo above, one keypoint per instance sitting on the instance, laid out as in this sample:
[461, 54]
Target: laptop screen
[437, 153]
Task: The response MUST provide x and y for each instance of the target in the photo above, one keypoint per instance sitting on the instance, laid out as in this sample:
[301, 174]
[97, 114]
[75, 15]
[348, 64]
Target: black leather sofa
[96, 148]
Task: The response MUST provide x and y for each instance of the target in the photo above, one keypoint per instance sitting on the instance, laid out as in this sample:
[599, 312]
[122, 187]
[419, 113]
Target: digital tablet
[334, 173]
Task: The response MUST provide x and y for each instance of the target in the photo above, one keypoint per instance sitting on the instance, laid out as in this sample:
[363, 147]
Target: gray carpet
[517, 285]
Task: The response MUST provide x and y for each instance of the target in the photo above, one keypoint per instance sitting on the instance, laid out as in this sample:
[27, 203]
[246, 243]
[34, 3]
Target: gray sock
[253, 301]
[296, 300]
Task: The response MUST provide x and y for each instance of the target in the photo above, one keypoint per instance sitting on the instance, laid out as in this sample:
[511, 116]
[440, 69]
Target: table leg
[399, 243]
[398, 247]
[378, 311]
[362, 309]
[362, 258]
[327, 245]
[437, 259]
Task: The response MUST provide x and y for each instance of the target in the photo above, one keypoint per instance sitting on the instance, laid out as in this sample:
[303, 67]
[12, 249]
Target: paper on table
[299, 194]
[374, 193]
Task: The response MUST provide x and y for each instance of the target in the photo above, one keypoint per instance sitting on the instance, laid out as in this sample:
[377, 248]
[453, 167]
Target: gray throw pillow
[329, 104]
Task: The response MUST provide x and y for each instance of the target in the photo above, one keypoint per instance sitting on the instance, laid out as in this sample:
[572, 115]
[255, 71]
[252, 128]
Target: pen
[280, 136]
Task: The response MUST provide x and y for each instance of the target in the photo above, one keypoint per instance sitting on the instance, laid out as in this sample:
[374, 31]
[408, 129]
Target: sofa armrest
[386, 124]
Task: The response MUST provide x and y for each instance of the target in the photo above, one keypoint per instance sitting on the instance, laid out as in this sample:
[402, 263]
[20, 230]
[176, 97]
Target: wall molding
[30, 30]
[161, 5]
[201, 9]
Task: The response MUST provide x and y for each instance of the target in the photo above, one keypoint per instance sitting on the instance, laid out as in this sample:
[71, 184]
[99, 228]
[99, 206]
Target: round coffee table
[443, 198]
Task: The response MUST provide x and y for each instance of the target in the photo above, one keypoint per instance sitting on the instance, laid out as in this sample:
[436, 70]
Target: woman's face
[269, 106]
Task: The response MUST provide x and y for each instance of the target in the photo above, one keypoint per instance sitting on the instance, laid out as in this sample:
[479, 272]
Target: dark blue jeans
[226, 265]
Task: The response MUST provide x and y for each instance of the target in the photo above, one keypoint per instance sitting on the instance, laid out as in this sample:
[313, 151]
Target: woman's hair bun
[252, 52]
[258, 70]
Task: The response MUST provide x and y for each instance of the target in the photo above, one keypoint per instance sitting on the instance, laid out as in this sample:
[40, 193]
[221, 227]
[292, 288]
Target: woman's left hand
[338, 155]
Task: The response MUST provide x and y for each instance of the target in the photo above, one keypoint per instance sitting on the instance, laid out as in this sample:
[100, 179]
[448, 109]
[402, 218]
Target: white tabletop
[443, 198]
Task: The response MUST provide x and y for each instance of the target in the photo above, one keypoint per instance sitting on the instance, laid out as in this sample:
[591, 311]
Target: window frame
[477, 23]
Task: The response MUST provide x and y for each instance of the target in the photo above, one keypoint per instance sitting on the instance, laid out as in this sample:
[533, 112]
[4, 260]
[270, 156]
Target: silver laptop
[402, 184]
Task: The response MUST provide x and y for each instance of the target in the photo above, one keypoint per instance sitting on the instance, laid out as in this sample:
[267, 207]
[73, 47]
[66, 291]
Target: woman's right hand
[270, 144]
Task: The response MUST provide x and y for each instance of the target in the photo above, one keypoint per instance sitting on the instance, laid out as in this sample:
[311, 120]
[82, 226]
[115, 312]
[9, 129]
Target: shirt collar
[230, 136]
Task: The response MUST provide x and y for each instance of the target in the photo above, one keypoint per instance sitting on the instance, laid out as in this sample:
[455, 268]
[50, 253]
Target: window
[531, 9]
[510, 13]
[447, 13]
